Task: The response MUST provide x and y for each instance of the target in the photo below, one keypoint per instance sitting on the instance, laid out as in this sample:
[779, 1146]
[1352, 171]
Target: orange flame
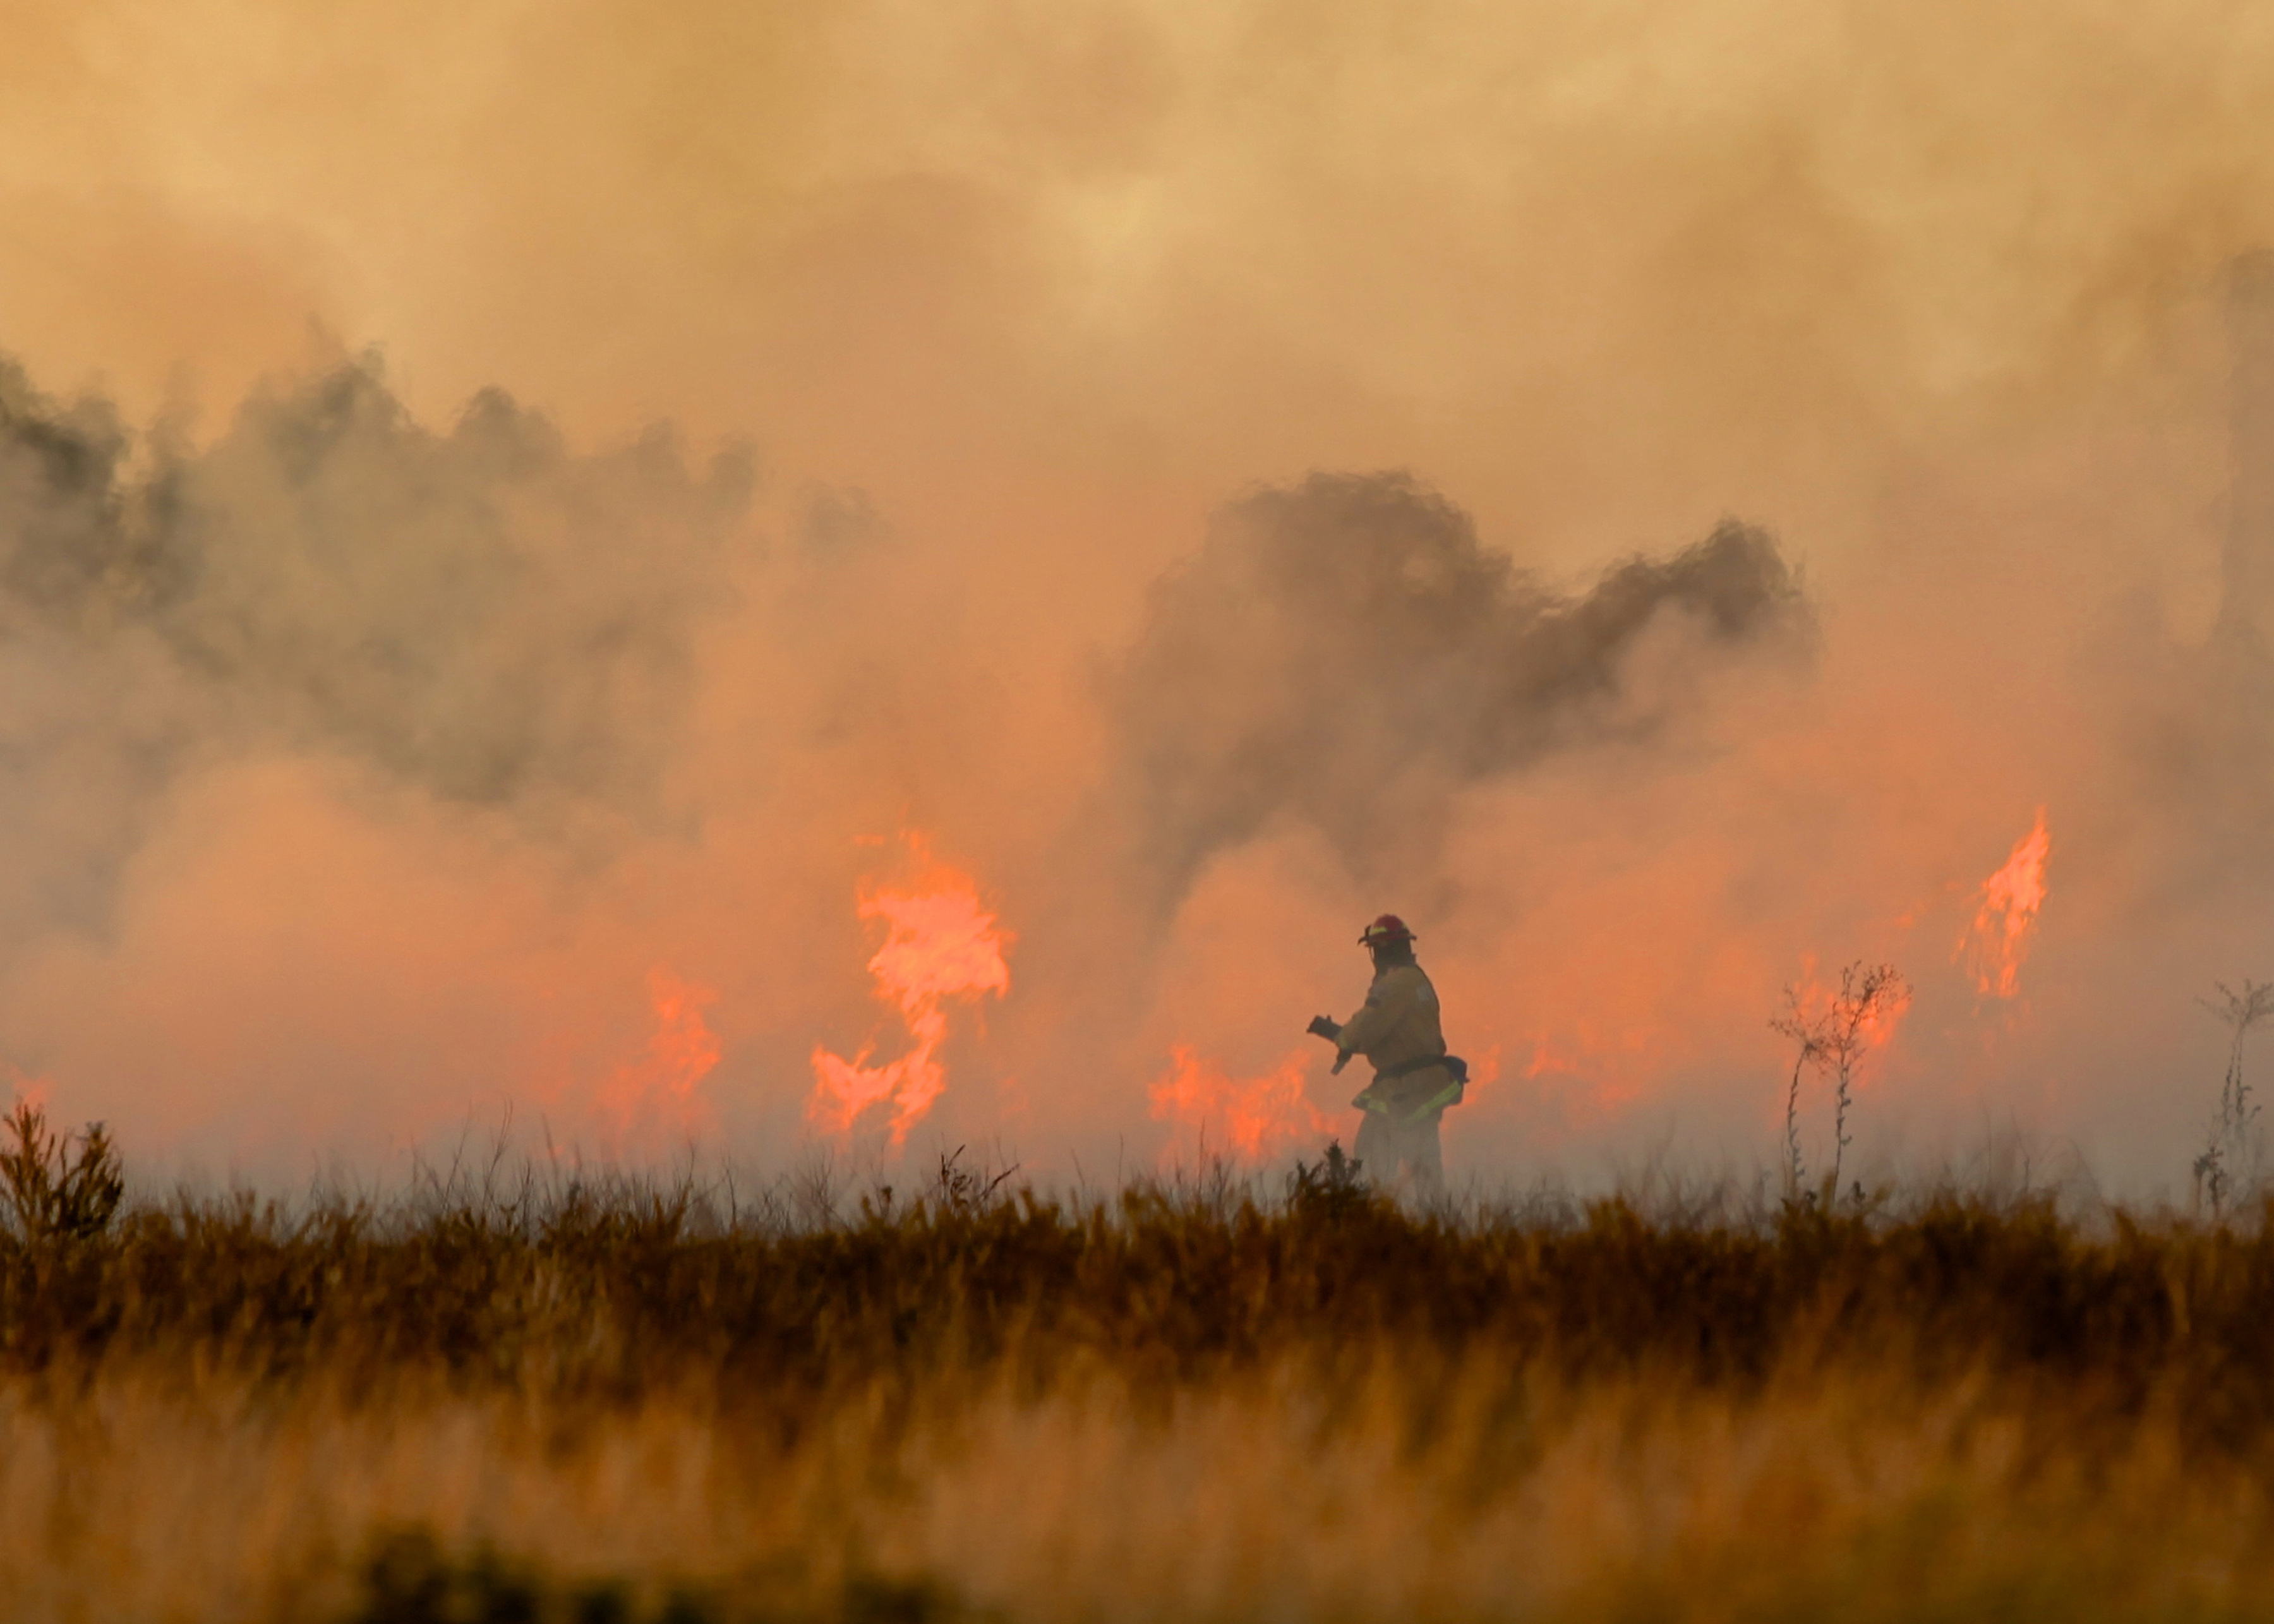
[938, 943]
[656, 1093]
[1995, 945]
[1261, 1117]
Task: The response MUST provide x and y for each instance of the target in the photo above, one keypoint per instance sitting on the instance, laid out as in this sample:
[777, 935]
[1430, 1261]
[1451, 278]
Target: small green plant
[2229, 1163]
[1334, 1186]
[58, 1189]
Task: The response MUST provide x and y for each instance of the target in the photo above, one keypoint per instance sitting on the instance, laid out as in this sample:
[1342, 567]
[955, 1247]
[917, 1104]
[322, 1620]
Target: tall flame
[1995, 945]
[656, 1093]
[1258, 1117]
[939, 944]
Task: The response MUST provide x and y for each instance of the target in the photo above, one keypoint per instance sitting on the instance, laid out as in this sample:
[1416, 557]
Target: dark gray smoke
[482, 616]
[1344, 651]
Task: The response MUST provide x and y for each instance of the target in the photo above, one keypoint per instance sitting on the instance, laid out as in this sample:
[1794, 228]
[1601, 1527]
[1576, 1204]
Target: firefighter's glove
[1321, 1028]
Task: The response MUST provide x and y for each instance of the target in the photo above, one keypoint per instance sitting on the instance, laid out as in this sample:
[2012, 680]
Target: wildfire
[939, 944]
[1998, 939]
[1258, 1117]
[657, 1094]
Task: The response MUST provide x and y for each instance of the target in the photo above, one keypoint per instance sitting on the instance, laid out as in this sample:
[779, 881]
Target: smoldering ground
[319, 846]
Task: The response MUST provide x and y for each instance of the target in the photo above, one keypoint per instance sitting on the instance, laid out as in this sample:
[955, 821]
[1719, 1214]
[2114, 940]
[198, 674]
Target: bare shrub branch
[1833, 1042]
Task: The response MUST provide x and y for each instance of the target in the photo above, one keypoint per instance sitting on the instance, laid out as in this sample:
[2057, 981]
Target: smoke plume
[480, 616]
[1347, 653]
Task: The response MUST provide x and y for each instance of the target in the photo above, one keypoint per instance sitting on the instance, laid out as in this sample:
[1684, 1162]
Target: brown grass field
[595, 1401]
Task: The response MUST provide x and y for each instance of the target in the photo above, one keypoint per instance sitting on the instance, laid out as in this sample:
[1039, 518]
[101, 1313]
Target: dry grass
[630, 1404]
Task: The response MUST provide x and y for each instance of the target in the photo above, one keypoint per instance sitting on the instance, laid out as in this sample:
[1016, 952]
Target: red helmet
[1389, 931]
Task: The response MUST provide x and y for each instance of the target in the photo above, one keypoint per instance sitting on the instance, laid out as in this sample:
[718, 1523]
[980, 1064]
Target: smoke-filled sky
[522, 528]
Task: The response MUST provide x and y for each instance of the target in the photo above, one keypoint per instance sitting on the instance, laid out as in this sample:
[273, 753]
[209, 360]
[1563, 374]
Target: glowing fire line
[1260, 1117]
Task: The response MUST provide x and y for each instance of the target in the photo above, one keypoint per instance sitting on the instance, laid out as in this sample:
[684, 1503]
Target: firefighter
[1414, 1079]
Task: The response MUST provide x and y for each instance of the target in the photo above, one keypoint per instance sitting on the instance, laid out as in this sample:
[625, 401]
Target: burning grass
[621, 1401]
